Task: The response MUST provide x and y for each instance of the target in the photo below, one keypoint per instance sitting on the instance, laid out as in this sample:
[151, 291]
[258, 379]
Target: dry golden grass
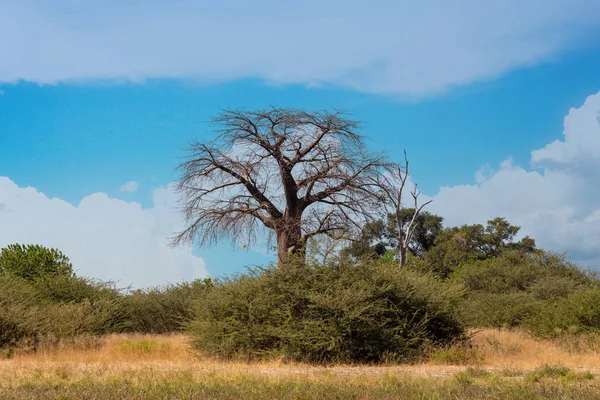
[500, 365]
[131, 355]
[514, 349]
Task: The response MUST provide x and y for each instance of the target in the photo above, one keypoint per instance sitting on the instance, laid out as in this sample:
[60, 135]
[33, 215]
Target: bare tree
[297, 174]
[392, 183]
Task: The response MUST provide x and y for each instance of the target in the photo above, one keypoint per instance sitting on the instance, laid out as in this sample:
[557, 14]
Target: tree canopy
[32, 262]
[287, 172]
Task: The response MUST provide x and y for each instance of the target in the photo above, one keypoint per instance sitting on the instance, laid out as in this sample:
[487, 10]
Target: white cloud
[129, 187]
[105, 238]
[556, 202]
[399, 47]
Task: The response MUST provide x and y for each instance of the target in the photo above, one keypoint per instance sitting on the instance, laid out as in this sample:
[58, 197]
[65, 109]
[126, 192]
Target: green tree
[457, 245]
[32, 262]
[379, 236]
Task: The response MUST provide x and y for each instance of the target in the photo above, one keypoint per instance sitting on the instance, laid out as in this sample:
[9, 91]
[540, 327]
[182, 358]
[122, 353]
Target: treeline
[505, 282]
[357, 305]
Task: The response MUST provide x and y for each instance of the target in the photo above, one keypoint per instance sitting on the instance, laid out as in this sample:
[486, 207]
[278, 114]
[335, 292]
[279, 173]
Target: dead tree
[392, 184]
[291, 173]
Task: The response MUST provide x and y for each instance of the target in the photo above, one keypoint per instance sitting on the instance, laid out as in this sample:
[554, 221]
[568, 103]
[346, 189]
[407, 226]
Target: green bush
[515, 271]
[161, 310]
[577, 313]
[510, 290]
[339, 313]
[20, 316]
[31, 262]
[499, 310]
[42, 297]
[26, 314]
[74, 289]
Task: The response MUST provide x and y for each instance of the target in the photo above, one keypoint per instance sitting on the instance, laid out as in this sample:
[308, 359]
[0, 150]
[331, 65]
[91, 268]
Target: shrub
[340, 313]
[515, 271]
[26, 315]
[499, 310]
[74, 289]
[19, 311]
[33, 261]
[161, 310]
[509, 290]
[577, 313]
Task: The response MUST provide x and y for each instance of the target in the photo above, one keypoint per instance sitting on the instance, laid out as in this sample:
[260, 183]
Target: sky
[497, 105]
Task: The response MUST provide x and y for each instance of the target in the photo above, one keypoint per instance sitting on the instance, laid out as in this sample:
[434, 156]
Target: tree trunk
[401, 248]
[290, 247]
[402, 256]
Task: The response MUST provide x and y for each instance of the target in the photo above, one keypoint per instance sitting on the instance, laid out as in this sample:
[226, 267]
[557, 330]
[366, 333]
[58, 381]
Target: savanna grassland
[476, 315]
[498, 364]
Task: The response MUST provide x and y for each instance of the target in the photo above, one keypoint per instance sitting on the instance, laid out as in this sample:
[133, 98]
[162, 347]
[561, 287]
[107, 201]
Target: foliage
[26, 315]
[74, 289]
[340, 313]
[379, 236]
[575, 314]
[31, 262]
[516, 271]
[509, 290]
[495, 310]
[455, 246]
[162, 310]
[19, 311]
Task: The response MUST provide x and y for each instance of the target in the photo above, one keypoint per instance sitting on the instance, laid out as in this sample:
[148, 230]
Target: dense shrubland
[42, 299]
[358, 306]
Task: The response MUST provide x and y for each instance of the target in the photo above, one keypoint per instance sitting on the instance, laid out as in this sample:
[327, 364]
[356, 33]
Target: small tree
[380, 236]
[457, 245]
[32, 262]
[392, 183]
[297, 174]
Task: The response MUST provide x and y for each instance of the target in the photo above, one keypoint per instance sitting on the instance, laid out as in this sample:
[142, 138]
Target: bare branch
[392, 184]
[297, 174]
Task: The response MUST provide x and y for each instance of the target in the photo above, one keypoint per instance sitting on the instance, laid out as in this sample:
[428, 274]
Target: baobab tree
[291, 173]
[393, 184]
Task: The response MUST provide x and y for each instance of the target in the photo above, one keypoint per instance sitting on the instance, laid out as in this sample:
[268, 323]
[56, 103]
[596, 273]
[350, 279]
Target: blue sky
[92, 98]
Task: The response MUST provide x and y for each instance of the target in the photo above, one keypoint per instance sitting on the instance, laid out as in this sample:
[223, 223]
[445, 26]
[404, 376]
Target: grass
[507, 365]
[563, 373]
[178, 386]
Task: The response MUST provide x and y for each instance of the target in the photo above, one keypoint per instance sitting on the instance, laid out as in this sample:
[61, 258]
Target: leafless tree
[392, 183]
[297, 174]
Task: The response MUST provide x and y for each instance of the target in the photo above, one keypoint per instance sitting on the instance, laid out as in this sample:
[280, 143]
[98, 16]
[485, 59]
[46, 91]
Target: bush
[33, 261]
[74, 289]
[19, 312]
[340, 313]
[27, 315]
[161, 310]
[515, 271]
[510, 290]
[499, 310]
[577, 313]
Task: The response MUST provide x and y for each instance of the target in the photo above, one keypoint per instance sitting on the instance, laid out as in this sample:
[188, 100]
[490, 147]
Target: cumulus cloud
[556, 200]
[398, 47]
[105, 238]
[129, 187]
